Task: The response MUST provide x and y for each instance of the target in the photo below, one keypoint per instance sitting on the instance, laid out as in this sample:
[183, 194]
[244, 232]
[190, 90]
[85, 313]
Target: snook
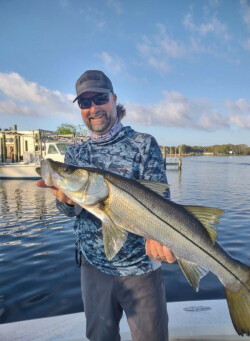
[137, 206]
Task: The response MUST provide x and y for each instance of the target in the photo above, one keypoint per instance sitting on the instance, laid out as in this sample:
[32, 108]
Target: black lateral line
[179, 232]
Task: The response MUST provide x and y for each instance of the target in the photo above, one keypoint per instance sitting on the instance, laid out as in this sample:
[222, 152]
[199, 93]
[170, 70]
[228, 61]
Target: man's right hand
[56, 192]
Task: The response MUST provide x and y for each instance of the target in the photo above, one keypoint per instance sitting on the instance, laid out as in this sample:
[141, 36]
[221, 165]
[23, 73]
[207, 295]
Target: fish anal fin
[113, 236]
[158, 187]
[239, 308]
[208, 216]
[192, 272]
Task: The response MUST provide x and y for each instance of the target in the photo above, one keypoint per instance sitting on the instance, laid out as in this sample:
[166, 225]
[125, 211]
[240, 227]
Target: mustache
[98, 114]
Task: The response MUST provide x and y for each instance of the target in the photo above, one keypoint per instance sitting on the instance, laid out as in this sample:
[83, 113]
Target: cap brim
[102, 90]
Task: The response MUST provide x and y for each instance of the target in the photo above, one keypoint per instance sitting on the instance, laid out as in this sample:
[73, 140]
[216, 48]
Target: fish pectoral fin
[158, 187]
[114, 237]
[208, 216]
[192, 272]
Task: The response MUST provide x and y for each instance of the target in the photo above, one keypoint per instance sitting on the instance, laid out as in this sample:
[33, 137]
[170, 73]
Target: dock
[172, 160]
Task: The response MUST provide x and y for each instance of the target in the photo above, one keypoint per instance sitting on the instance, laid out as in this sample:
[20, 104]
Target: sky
[180, 67]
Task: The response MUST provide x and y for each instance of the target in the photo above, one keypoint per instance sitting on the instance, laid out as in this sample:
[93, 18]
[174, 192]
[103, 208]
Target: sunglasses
[99, 99]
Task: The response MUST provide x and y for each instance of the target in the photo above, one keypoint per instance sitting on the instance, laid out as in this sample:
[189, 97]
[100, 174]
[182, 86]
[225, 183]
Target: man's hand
[56, 192]
[158, 252]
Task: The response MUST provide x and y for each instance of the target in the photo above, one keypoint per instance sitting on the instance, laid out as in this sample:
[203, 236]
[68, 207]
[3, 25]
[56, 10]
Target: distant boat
[26, 169]
[18, 170]
[21, 151]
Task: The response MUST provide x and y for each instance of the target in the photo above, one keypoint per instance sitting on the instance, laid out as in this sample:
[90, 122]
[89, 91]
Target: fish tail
[239, 308]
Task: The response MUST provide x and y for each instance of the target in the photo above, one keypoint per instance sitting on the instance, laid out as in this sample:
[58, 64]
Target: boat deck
[15, 171]
[191, 320]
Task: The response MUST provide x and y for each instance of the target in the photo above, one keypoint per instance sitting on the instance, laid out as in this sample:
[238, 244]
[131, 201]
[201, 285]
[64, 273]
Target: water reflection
[37, 253]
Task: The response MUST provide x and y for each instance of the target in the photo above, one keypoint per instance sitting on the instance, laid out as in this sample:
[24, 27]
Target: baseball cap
[93, 81]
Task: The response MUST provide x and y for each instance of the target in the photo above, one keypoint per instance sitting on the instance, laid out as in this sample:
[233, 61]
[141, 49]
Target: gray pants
[141, 297]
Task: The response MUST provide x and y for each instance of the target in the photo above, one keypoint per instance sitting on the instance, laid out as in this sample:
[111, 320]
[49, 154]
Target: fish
[125, 205]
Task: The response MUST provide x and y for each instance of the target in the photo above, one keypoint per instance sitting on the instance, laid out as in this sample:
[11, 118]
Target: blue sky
[181, 67]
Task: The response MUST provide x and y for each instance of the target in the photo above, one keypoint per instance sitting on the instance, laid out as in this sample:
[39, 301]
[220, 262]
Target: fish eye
[66, 169]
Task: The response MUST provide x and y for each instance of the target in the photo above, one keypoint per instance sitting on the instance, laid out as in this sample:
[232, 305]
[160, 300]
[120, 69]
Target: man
[132, 281]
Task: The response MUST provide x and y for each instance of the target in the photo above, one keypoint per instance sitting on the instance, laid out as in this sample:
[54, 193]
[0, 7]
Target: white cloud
[213, 26]
[197, 46]
[240, 113]
[159, 64]
[25, 98]
[245, 10]
[115, 5]
[112, 63]
[28, 99]
[160, 48]
[171, 47]
[11, 108]
[246, 45]
[175, 110]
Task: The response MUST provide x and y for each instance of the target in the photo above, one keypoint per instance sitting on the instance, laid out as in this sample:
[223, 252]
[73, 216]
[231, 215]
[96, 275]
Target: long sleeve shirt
[132, 155]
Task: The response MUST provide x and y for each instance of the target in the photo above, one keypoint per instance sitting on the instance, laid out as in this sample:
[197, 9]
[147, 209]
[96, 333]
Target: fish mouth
[45, 172]
[38, 170]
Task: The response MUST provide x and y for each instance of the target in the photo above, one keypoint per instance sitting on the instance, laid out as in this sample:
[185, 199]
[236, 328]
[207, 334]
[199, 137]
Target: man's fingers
[158, 252]
[170, 257]
[41, 183]
[151, 250]
[56, 192]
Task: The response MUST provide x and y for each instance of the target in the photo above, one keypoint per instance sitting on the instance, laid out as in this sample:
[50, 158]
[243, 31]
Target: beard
[100, 122]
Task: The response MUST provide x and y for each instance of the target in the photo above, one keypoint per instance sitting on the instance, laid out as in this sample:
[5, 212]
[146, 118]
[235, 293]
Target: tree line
[224, 149]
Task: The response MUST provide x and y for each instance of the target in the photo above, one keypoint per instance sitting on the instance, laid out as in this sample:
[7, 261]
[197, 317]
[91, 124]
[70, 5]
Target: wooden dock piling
[172, 164]
[3, 148]
[180, 158]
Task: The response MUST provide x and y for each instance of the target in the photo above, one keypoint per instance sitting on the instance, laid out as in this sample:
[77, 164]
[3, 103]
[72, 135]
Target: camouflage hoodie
[132, 155]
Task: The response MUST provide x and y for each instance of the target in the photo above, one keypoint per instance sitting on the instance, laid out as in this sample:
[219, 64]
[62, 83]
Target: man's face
[100, 118]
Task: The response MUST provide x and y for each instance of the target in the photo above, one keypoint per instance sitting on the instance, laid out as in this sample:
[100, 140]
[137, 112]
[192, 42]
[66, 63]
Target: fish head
[62, 176]
[81, 185]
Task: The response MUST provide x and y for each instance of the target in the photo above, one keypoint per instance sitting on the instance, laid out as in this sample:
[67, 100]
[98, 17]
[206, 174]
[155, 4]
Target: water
[38, 275]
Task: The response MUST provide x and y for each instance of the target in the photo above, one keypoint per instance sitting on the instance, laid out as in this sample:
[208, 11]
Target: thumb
[41, 183]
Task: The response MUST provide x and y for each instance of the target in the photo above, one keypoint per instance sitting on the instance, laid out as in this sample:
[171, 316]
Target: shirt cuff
[69, 211]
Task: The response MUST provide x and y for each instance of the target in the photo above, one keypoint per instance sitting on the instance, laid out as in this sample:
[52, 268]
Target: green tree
[246, 151]
[66, 128]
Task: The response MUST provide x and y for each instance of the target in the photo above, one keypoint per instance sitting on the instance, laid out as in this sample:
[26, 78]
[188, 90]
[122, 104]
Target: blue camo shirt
[132, 155]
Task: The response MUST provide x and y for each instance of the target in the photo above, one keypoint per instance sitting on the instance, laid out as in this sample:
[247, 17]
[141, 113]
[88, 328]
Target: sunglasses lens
[84, 103]
[99, 99]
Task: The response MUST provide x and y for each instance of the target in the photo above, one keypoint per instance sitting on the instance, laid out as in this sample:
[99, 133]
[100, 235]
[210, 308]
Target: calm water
[38, 275]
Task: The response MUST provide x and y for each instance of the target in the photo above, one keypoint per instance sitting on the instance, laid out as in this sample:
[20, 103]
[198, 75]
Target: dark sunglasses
[99, 99]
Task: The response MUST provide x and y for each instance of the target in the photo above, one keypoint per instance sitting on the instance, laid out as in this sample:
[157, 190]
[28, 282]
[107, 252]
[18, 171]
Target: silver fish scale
[141, 211]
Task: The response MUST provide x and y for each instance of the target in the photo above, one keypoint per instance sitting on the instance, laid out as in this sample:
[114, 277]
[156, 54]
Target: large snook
[136, 206]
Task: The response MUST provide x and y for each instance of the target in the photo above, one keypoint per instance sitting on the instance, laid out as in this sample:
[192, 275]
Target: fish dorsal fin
[113, 236]
[192, 272]
[208, 216]
[158, 187]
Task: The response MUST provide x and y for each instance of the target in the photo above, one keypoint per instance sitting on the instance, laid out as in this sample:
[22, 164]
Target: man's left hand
[158, 252]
